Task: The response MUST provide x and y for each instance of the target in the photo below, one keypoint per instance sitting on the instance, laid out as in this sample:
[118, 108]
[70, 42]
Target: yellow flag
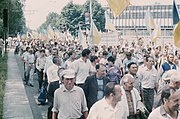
[149, 21]
[177, 35]
[50, 31]
[156, 33]
[108, 24]
[118, 6]
[96, 35]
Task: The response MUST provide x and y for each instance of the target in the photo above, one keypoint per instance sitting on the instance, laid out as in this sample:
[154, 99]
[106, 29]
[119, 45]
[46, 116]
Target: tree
[16, 21]
[98, 14]
[73, 14]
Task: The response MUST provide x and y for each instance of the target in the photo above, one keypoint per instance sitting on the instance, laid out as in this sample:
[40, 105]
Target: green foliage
[16, 17]
[3, 77]
[72, 14]
[98, 14]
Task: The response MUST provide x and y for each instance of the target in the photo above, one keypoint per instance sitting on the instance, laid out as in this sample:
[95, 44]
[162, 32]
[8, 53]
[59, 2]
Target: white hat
[68, 73]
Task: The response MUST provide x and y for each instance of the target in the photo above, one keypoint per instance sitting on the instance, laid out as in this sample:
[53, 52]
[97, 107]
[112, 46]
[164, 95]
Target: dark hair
[128, 54]
[111, 59]
[98, 66]
[131, 63]
[105, 53]
[109, 88]
[55, 59]
[85, 52]
[148, 56]
[93, 58]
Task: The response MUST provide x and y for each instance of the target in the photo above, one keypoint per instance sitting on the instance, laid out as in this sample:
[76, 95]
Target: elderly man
[69, 100]
[174, 85]
[106, 107]
[130, 96]
[94, 85]
[170, 107]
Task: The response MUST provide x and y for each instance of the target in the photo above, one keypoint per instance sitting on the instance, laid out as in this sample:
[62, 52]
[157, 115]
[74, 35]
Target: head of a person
[111, 60]
[56, 60]
[93, 59]
[54, 51]
[105, 54]
[112, 91]
[176, 60]
[86, 53]
[127, 82]
[72, 54]
[42, 52]
[100, 70]
[59, 72]
[132, 68]
[170, 57]
[149, 61]
[100, 54]
[31, 51]
[170, 100]
[68, 78]
[128, 55]
[175, 80]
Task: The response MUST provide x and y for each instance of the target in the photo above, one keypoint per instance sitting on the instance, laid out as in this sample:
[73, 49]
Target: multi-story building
[131, 21]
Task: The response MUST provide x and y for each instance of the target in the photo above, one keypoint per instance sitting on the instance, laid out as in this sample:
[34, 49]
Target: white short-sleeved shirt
[69, 104]
[159, 113]
[148, 77]
[82, 70]
[52, 74]
[102, 110]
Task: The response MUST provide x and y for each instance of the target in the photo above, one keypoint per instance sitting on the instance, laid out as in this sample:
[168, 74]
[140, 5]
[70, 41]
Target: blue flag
[175, 13]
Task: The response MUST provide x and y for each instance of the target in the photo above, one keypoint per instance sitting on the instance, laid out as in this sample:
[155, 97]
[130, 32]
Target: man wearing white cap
[69, 100]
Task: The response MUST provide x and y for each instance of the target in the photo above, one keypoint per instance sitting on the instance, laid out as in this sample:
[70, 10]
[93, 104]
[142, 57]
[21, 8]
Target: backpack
[42, 96]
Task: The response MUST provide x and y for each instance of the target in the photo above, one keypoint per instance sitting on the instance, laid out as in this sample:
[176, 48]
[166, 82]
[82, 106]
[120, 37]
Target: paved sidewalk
[16, 104]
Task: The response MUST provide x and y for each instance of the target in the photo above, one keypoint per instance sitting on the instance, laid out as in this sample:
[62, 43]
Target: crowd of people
[133, 81]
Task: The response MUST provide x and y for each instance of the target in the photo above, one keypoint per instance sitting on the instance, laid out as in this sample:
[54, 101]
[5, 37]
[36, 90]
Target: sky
[37, 10]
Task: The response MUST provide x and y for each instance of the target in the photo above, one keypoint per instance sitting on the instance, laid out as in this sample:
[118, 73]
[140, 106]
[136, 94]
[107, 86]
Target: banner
[109, 39]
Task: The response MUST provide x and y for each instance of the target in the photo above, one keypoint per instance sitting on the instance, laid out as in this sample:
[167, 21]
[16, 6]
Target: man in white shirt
[82, 67]
[69, 100]
[52, 74]
[170, 107]
[106, 107]
[30, 60]
[149, 82]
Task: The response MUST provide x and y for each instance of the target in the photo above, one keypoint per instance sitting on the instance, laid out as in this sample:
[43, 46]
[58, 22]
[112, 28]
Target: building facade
[131, 21]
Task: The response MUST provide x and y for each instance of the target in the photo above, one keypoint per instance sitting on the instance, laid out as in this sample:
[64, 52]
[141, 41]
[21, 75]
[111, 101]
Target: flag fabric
[175, 13]
[149, 21]
[35, 34]
[96, 36]
[156, 33]
[118, 6]
[80, 35]
[50, 32]
[177, 35]
[108, 24]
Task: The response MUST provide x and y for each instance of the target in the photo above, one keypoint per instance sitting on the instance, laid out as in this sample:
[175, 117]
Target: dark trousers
[131, 117]
[40, 77]
[148, 96]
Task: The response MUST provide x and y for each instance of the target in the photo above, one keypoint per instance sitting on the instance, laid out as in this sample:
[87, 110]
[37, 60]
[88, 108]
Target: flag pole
[91, 21]
[133, 23]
